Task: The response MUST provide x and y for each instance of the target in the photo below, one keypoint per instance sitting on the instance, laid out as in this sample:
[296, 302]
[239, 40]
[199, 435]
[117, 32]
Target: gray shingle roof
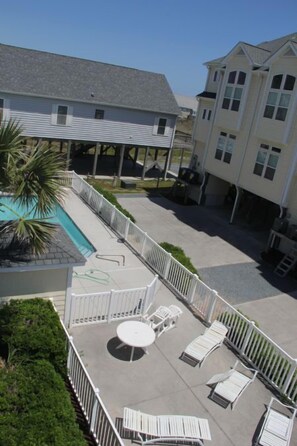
[39, 73]
[61, 251]
[261, 52]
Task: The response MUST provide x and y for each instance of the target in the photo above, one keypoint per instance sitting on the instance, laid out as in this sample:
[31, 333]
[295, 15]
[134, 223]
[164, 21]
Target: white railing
[100, 423]
[111, 305]
[276, 366]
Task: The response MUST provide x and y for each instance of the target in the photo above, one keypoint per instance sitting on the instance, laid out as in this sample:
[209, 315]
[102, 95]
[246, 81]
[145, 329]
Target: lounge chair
[201, 347]
[153, 429]
[231, 385]
[277, 426]
[163, 319]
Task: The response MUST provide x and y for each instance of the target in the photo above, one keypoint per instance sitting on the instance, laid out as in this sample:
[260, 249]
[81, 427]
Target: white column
[68, 154]
[68, 297]
[96, 158]
[121, 160]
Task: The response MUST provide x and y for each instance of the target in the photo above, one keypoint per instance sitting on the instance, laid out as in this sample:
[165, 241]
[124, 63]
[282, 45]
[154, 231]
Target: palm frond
[37, 182]
[10, 149]
[34, 235]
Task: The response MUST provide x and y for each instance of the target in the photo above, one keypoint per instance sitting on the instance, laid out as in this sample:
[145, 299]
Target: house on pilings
[84, 106]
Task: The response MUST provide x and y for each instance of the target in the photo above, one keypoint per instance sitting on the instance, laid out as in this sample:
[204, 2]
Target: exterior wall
[292, 202]
[119, 126]
[278, 131]
[28, 284]
[251, 129]
[213, 85]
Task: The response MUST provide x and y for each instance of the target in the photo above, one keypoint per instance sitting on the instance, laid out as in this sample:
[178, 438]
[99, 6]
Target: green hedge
[35, 408]
[30, 329]
[179, 255]
[109, 196]
[35, 405]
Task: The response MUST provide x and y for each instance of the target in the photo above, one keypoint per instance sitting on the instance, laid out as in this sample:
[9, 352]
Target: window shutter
[167, 128]
[6, 111]
[156, 124]
[69, 115]
[54, 114]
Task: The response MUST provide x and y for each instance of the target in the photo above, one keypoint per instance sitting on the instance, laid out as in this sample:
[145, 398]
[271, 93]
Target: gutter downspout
[208, 138]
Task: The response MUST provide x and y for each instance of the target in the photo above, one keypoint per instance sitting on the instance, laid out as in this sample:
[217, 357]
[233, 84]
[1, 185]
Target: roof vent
[92, 94]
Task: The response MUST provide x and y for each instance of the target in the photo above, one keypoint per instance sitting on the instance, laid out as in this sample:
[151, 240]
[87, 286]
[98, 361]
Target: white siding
[119, 126]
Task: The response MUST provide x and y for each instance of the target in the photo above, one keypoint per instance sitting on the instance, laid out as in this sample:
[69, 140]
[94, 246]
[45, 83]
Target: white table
[135, 334]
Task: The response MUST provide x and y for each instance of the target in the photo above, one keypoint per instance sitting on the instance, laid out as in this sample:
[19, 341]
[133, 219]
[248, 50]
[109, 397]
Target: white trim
[6, 108]
[54, 115]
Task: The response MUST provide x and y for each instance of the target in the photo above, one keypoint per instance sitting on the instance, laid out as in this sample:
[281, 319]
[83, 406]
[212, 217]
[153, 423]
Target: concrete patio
[157, 383]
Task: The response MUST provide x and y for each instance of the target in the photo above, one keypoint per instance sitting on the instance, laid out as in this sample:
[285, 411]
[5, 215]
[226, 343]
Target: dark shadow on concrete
[237, 283]
[123, 353]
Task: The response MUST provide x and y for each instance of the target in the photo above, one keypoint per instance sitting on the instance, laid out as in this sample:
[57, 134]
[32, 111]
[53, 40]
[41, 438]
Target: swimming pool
[59, 216]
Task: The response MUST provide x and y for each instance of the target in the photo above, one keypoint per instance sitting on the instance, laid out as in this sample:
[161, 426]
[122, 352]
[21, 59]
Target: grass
[142, 186]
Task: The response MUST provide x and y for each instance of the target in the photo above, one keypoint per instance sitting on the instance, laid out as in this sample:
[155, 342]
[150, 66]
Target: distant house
[245, 136]
[187, 105]
[67, 99]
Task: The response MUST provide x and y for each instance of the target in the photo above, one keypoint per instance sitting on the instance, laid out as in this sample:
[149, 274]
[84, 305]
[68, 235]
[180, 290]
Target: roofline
[25, 268]
[80, 58]
[86, 102]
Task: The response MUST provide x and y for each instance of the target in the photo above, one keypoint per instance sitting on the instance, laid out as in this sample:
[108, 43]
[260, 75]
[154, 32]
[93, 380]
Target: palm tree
[30, 175]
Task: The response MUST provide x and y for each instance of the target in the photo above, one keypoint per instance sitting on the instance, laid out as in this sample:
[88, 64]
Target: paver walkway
[228, 260]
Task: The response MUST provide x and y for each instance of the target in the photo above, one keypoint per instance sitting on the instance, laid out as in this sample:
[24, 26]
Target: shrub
[30, 329]
[179, 255]
[109, 196]
[35, 408]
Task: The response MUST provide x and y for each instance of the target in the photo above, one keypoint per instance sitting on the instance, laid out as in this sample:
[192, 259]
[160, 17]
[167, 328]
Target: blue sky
[174, 37]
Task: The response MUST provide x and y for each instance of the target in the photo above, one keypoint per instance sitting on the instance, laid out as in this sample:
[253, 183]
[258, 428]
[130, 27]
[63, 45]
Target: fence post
[247, 338]
[110, 305]
[192, 289]
[143, 244]
[94, 409]
[211, 306]
[69, 357]
[90, 193]
[127, 226]
[167, 266]
[112, 215]
[290, 376]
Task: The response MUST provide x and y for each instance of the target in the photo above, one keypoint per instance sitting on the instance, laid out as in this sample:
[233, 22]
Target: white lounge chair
[231, 385]
[152, 429]
[201, 347]
[277, 426]
[163, 319]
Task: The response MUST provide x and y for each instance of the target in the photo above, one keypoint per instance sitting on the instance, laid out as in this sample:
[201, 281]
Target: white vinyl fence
[276, 366]
[111, 305]
[100, 424]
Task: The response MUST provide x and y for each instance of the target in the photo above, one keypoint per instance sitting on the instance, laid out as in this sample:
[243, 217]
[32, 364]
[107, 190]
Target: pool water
[59, 216]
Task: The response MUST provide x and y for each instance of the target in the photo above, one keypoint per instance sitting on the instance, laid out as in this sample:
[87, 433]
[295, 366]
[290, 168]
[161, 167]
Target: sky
[173, 37]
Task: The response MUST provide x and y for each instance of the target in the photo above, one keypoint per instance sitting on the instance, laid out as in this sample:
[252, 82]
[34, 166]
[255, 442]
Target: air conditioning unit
[280, 225]
[292, 232]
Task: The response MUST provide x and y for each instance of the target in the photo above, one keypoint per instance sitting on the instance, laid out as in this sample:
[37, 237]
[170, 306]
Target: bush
[35, 408]
[179, 255]
[30, 329]
[109, 196]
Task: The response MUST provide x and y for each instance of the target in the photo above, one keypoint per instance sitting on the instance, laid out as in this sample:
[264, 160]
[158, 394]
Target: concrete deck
[157, 383]
[227, 258]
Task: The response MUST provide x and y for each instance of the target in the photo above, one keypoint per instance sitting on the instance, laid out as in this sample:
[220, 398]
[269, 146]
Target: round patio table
[135, 334]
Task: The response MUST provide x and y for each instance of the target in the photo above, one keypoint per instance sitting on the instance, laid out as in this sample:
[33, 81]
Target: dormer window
[279, 97]
[215, 76]
[233, 90]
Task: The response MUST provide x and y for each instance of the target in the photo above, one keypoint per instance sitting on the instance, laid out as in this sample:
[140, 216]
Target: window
[206, 114]
[62, 114]
[278, 98]
[266, 162]
[215, 76]
[99, 114]
[161, 126]
[233, 90]
[1, 110]
[225, 147]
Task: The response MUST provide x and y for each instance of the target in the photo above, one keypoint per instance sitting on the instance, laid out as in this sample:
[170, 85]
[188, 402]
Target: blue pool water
[58, 217]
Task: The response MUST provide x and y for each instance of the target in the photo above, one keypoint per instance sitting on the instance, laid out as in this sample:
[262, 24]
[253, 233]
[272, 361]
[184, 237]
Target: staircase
[287, 263]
